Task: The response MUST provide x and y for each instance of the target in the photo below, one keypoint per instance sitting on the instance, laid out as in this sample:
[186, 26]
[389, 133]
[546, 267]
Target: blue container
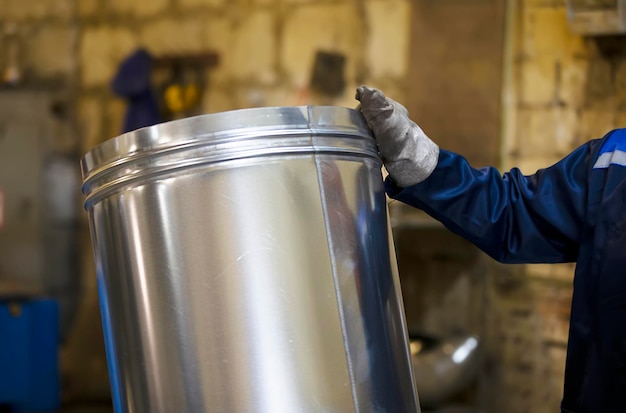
[29, 356]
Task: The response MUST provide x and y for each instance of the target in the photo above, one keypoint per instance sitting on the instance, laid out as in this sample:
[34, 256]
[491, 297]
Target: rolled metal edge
[223, 126]
[221, 137]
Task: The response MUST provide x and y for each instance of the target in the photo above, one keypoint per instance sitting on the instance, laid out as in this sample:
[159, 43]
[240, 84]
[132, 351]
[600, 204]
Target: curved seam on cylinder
[342, 319]
[110, 168]
[98, 168]
[101, 190]
[220, 138]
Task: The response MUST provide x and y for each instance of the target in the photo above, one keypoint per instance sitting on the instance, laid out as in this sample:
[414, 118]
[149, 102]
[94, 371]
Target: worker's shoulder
[612, 149]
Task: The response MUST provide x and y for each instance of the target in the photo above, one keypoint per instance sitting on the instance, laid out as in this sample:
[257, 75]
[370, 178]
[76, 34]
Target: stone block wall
[266, 48]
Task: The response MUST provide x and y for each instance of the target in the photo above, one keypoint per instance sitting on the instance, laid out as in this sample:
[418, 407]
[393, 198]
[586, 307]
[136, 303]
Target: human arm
[512, 217]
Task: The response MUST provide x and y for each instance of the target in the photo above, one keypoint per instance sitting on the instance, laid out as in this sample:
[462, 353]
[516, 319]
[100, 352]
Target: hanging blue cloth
[132, 82]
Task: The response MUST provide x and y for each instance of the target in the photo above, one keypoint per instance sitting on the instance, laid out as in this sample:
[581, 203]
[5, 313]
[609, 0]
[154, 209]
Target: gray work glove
[407, 153]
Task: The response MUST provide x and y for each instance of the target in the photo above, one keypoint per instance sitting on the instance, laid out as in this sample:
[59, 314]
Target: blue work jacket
[573, 211]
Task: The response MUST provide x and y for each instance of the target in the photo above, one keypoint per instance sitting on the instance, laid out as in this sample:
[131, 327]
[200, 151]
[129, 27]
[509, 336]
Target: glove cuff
[417, 166]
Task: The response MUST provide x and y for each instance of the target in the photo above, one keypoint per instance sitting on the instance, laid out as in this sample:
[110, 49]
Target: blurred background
[504, 82]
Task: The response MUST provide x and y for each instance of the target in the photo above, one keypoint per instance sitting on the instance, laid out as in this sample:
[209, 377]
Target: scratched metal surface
[244, 265]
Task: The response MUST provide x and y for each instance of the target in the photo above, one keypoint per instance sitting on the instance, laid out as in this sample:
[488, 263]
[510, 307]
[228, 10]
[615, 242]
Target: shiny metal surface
[244, 265]
[445, 367]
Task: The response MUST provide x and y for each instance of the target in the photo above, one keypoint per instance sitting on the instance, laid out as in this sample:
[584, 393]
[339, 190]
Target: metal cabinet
[39, 192]
[21, 233]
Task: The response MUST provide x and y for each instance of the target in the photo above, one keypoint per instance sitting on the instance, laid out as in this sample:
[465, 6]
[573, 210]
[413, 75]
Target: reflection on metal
[443, 368]
[244, 266]
[464, 350]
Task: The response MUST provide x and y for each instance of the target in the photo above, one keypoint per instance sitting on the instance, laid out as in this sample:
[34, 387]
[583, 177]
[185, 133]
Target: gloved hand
[407, 153]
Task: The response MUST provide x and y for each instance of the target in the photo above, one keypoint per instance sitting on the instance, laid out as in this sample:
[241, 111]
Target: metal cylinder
[245, 265]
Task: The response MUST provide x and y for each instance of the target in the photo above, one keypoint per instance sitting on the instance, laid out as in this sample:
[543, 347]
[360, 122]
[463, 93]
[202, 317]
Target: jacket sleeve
[511, 217]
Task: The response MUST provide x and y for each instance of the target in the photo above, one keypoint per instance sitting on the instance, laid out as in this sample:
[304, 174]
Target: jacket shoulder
[612, 150]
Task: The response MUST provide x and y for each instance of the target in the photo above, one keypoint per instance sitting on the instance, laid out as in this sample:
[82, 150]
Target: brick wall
[266, 48]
